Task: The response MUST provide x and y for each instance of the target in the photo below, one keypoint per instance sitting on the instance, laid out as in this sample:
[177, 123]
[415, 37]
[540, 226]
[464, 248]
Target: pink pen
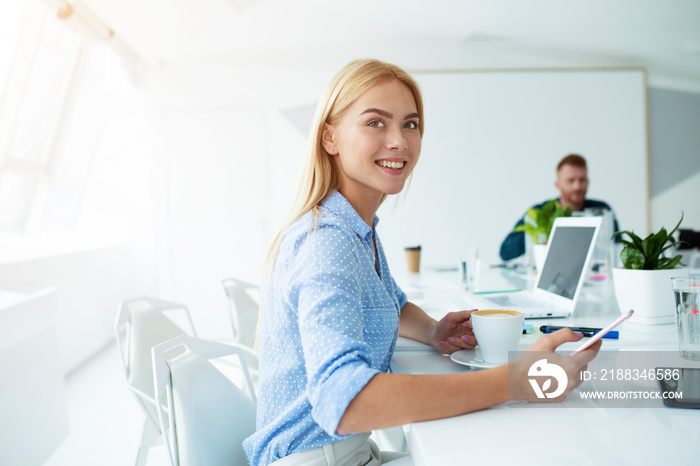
[600, 334]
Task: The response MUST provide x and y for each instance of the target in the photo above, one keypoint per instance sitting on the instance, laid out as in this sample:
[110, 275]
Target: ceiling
[660, 35]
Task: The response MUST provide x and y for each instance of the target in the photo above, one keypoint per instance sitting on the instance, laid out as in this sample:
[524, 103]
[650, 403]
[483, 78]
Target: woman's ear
[328, 139]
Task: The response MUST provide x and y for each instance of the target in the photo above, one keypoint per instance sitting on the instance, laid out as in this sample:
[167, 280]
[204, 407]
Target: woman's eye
[411, 125]
[376, 124]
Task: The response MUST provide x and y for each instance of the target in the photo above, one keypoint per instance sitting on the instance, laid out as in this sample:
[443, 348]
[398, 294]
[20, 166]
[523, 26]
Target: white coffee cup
[497, 332]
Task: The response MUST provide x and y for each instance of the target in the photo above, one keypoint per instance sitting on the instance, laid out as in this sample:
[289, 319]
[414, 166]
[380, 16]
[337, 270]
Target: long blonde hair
[319, 176]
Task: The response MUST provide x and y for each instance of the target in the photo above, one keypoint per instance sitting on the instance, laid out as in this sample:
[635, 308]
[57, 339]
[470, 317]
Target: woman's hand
[453, 332]
[528, 365]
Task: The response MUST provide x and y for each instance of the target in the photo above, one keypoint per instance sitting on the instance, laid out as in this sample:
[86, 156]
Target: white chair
[391, 439]
[243, 310]
[203, 414]
[141, 324]
[404, 461]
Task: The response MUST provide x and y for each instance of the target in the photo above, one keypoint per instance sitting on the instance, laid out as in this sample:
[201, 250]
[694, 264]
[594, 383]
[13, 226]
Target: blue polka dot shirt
[330, 323]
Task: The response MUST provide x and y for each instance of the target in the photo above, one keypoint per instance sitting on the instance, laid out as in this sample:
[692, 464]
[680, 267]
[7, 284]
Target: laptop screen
[565, 260]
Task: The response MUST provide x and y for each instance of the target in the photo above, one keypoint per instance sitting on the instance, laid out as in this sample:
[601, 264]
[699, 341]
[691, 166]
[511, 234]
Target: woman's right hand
[541, 360]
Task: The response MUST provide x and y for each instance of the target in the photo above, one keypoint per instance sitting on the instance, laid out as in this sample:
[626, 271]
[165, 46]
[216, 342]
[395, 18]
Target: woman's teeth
[394, 165]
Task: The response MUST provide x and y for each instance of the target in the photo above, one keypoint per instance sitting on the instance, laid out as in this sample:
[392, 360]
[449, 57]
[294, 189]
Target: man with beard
[572, 183]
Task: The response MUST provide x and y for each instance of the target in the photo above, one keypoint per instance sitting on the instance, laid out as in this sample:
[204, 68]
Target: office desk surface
[559, 436]
[575, 431]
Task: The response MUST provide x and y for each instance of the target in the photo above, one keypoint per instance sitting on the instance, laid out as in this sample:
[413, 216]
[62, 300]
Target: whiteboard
[490, 149]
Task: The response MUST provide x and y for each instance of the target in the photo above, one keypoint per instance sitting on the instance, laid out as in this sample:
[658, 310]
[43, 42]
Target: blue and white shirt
[330, 324]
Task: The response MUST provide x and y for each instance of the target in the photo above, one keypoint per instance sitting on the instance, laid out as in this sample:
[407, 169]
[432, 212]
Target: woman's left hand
[453, 332]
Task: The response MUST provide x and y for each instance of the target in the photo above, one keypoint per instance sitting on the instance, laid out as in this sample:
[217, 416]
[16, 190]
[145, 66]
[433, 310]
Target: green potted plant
[643, 283]
[538, 225]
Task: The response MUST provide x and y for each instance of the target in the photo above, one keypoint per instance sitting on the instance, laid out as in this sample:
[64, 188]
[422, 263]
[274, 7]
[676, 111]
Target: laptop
[558, 285]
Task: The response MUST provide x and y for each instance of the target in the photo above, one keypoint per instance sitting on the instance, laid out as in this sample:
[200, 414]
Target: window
[62, 92]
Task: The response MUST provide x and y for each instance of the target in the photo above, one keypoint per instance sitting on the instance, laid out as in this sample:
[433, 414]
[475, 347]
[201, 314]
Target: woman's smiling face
[376, 143]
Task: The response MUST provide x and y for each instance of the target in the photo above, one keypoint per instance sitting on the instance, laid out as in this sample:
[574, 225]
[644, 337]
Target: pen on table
[586, 331]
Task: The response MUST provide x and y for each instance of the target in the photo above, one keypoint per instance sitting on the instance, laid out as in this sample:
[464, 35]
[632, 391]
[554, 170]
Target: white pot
[539, 251]
[648, 292]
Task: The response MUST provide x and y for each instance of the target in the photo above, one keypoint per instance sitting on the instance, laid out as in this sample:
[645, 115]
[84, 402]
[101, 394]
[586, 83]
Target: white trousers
[357, 450]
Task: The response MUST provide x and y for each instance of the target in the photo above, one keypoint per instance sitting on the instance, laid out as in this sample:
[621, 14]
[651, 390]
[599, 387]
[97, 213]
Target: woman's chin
[393, 190]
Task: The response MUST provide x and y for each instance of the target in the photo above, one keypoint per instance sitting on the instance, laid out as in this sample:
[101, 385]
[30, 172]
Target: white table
[572, 432]
[33, 411]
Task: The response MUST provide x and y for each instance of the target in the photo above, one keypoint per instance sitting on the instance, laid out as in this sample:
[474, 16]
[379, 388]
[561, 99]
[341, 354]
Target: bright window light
[16, 194]
[85, 135]
[71, 127]
[10, 25]
[45, 91]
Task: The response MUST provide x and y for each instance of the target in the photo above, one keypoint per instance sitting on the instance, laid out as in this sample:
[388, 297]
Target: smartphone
[600, 334]
[687, 383]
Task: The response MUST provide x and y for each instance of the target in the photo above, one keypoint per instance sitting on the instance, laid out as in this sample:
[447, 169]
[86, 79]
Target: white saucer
[471, 359]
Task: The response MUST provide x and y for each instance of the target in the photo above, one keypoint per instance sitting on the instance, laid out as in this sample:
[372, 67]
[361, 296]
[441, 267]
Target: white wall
[228, 165]
[675, 156]
[667, 206]
[491, 146]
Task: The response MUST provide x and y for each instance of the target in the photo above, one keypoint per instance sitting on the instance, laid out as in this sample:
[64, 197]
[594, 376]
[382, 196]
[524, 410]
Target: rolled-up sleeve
[331, 325]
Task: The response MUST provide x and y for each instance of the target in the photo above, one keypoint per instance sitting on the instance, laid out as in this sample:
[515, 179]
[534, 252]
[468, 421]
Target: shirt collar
[340, 206]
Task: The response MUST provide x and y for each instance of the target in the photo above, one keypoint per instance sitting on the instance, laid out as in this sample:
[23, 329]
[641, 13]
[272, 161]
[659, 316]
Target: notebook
[558, 285]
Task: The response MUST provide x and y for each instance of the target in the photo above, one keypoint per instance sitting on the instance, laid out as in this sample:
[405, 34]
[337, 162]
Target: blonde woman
[332, 311]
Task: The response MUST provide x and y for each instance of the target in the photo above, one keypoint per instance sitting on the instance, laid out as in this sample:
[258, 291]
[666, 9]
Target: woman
[332, 311]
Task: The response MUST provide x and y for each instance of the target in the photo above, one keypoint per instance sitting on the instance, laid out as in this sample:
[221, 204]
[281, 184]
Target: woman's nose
[396, 141]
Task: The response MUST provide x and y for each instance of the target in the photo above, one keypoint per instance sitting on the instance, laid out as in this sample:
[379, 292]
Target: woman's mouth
[392, 165]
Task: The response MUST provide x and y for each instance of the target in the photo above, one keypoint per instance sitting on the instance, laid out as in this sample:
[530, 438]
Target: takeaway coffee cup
[497, 331]
[413, 259]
